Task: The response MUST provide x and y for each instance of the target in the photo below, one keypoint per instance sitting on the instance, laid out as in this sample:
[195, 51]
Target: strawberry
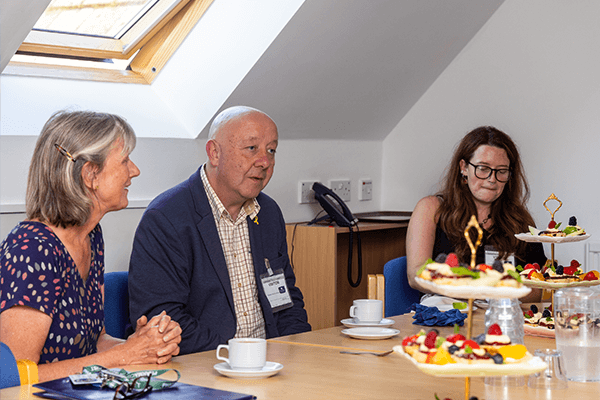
[452, 260]
[494, 329]
[531, 273]
[484, 267]
[528, 314]
[575, 263]
[472, 344]
[430, 339]
[536, 266]
[409, 340]
[455, 338]
[528, 266]
[570, 270]
[551, 224]
[590, 276]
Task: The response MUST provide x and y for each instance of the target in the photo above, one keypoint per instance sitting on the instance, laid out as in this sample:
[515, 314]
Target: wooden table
[314, 368]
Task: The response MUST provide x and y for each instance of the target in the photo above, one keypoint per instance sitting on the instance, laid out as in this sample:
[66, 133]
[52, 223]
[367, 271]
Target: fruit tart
[446, 270]
[490, 348]
[556, 273]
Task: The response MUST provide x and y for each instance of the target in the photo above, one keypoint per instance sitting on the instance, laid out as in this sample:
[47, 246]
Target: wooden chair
[392, 287]
[376, 288]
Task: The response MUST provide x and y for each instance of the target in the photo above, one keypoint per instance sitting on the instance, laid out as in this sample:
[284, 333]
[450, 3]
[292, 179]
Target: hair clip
[64, 152]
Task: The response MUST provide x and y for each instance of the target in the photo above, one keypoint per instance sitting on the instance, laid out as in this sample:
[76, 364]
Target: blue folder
[63, 389]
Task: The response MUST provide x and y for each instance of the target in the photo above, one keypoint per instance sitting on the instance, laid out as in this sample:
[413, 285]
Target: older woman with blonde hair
[52, 264]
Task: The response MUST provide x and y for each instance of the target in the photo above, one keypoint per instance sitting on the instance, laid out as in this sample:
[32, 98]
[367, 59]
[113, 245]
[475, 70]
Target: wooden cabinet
[319, 256]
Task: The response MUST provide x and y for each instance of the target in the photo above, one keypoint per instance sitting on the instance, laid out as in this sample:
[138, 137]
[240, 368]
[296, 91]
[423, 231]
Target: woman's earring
[464, 178]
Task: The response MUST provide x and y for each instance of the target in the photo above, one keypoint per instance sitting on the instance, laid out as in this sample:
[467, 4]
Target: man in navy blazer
[209, 250]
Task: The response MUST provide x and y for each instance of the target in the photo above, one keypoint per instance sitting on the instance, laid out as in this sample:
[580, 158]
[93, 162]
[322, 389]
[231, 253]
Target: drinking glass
[508, 315]
[577, 321]
[553, 377]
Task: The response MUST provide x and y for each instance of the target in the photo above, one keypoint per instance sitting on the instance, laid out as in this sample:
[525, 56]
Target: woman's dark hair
[509, 212]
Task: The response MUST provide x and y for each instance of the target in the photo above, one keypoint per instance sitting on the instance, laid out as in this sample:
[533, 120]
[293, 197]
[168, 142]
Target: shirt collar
[249, 209]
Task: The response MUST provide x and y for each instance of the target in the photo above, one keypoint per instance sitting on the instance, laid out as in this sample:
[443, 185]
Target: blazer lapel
[210, 236]
[258, 258]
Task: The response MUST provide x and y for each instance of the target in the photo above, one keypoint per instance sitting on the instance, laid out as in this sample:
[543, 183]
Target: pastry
[491, 348]
[446, 270]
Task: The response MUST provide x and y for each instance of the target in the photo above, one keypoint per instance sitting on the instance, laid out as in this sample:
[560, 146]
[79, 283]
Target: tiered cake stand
[471, 293]
[528, 237]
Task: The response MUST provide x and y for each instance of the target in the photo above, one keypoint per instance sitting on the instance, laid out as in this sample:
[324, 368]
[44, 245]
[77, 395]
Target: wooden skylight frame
[155, 47]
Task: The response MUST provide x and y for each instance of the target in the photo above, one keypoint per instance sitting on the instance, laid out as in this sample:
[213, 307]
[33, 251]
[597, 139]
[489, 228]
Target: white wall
[533, 71]
[215, 56]
[166, 162]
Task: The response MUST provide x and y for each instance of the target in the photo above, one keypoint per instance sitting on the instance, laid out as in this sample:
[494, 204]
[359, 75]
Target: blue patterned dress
[37, 271]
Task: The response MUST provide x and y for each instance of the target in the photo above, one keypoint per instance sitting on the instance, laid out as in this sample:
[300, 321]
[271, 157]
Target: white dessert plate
[384, 323]
[541, 331]
[270, 369]
[444, 303]
[475, 292]
[557, 285]
[528, 237]
[531, 366]
[370, 333]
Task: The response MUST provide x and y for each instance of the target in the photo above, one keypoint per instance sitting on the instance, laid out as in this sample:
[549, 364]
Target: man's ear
[88, 174]
[213, 152]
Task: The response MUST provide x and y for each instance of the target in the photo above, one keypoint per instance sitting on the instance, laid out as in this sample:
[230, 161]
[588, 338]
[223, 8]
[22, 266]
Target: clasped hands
[154, 341]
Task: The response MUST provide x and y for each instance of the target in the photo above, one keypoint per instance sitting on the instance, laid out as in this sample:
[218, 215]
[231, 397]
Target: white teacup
[367, 311]
[248, 354]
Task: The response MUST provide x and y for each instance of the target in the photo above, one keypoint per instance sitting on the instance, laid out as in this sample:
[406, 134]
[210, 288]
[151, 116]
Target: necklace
[486, 220]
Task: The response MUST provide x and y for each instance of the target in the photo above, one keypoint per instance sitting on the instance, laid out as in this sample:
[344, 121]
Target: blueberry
[473, 398]
[441, 258]
[546, 313]
[497, 358]
[479, 339]
[453, 349]
[497, 265]
[573, 221]
[546, 275]
[435, 330]
[560, 270]
[534, 308]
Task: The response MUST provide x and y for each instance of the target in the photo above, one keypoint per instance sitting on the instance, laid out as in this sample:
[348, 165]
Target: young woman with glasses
[485, 178]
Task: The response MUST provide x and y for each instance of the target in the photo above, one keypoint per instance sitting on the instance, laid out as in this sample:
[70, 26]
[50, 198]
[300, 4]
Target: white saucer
[270, 369]
[384, 323]
[370, 333]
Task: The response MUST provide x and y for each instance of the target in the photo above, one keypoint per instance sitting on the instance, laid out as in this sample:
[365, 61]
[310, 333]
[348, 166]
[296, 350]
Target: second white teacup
[367, 311]
[248, 354]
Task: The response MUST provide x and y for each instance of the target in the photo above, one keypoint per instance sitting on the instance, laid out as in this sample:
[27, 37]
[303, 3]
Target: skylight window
[74, 36]
[107, 18]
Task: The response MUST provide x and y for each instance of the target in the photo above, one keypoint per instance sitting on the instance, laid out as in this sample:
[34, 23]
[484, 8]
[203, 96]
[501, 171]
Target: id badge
[276, 290]
[491, 255]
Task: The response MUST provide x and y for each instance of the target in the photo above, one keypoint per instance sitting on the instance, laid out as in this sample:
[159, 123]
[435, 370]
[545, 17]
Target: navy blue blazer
[177, 265]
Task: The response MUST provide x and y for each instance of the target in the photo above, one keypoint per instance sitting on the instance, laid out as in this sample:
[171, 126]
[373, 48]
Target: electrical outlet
[341, 187]
[365, 189]
[305, 193]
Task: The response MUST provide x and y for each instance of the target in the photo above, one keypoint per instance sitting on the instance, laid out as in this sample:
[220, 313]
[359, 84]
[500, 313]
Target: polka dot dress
[37, 271]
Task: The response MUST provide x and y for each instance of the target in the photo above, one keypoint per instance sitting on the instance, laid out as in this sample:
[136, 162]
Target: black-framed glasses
[484, 172]
[139, 387]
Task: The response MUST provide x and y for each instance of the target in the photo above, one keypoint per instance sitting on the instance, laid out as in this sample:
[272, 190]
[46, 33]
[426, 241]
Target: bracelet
[28, 372]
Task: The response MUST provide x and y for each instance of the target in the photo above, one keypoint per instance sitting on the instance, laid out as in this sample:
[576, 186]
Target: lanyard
[114, 377]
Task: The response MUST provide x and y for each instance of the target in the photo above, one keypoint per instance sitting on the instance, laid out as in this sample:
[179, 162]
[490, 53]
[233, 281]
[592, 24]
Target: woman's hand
[154, 341]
